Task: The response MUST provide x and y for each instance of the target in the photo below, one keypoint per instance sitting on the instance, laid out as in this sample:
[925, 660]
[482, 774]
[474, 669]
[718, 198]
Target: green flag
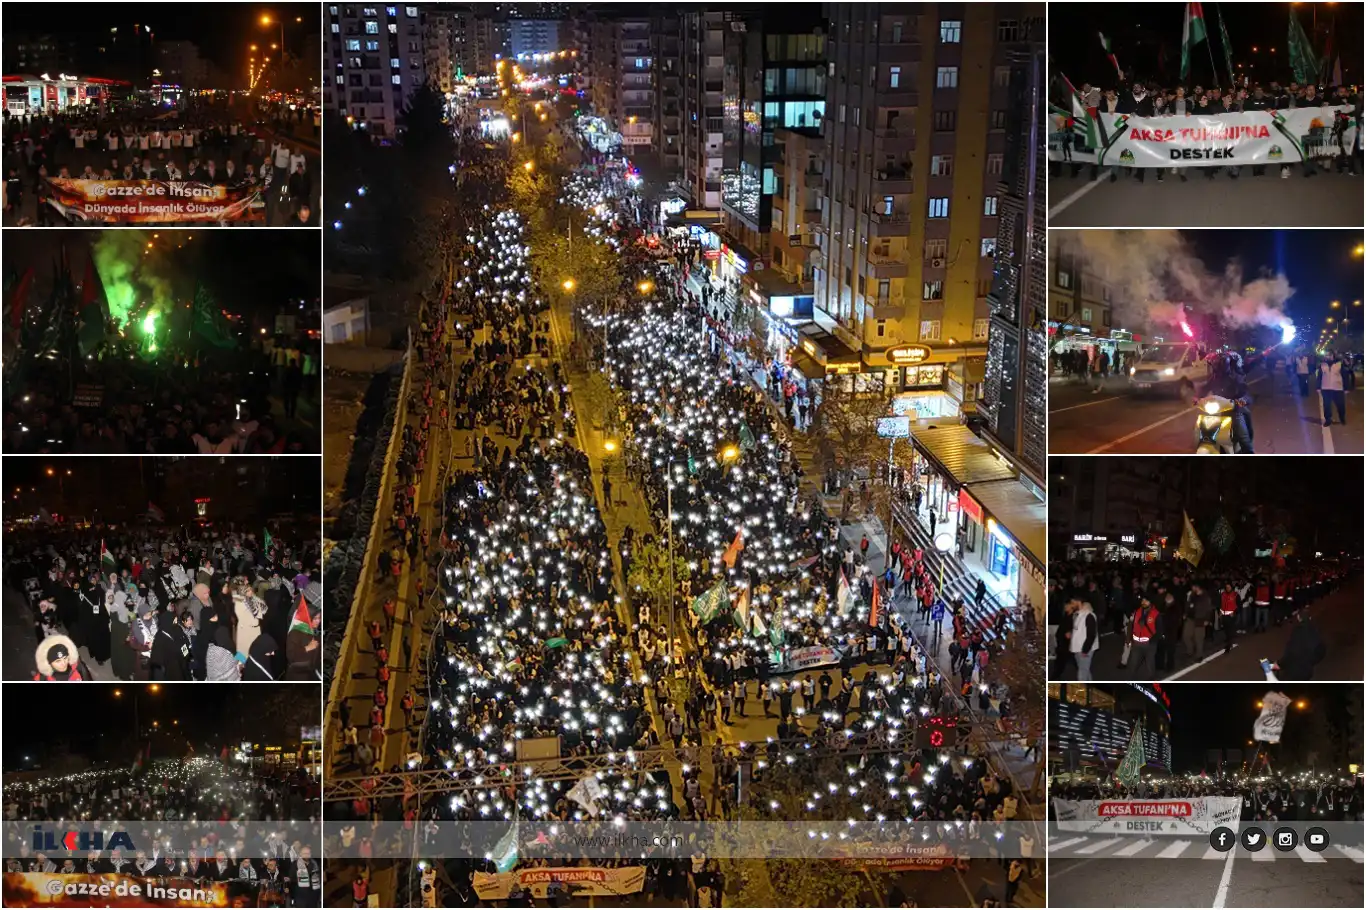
[1303, 62]
[558, 642]
[746, 437]
[692, 464]
[505, 852]
[1134, 760]
[208, 321]
[1191, 35]
[706, 606]
[269, 540]
[1228, 48]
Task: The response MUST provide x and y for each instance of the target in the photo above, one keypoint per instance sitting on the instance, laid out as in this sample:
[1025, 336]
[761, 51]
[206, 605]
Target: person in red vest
[1261, 605]
[1228, 613]
[360, 890]
[1143, 635]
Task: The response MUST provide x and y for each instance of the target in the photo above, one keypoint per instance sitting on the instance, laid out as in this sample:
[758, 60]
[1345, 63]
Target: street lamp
[646, 287]
[529, 166]
[729, 454]
[610, 446]
[569, 285]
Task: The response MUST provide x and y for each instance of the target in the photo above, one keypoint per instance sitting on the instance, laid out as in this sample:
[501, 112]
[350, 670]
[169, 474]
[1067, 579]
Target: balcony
[886, 307]
[885, 267]
[896, 138]
[897, 97]
[899, 51]
[893, 181]
[897, 224]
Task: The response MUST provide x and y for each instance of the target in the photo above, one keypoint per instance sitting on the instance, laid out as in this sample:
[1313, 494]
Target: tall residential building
[701, 70]
[35, 54]
[374, 63]
[622, 76]
[668, 84]
[774, 77]
[795, 228]
[1080, 295]
[529, 37]
[916, 135]
[490, 36]
[180, 63]
[440, 26]
[1014, 395]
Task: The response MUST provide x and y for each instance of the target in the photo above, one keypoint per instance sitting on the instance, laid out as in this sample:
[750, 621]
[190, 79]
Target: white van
[1173, 366]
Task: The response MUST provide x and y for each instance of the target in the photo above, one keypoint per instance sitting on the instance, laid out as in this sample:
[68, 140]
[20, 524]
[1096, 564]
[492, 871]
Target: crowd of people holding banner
[1170, 610]
[171, 604]
[1085, 123]
[216, 820]
[1266, 796]
[206, 144]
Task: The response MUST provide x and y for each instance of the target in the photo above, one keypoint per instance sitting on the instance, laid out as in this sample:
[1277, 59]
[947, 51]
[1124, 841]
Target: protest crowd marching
[1168, 610]
[209, 818]
[182, 604]
[537, 636]
[208, 143]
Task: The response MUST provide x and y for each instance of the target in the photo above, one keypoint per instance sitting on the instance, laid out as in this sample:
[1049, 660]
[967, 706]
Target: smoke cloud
[135, 284]
[1155, 274]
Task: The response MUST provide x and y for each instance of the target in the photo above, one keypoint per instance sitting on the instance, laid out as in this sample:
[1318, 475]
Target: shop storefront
[31, 94]
[1121, 546]
[925, 383]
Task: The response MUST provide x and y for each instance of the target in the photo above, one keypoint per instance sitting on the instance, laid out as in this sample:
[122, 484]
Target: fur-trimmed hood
[40, 657]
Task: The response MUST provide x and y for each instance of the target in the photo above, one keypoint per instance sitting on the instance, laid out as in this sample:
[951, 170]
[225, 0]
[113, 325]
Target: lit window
[989, 206]
[979, 329]
[941, 166]
[988, 246]
[929, 330]
[395, 63]
[950, 31]
[371, 27]
[895, 77]
[396, 79]
[393, 29]
[372, 45]
[353, 44]
[411, 11]
[934, 290]
[336, 29]
[946, 77]
[939, 207]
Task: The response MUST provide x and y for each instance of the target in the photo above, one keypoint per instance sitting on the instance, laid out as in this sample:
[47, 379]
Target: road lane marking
[1351, 853]
[1074, 196]
[1126, 437]
[1137, 846]
[1098, 846]
[1309, 856]
[1264, 855]
[1058, 845]
[1195, 666]
[1073, 407]
[1221, 896]
[1212, 853]
[1174, 850]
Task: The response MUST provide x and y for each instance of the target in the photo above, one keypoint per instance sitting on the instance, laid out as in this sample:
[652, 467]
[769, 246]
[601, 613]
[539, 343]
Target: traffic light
[936, 733]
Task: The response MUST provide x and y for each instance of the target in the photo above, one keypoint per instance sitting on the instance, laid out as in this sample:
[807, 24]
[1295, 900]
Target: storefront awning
[807, 365]
[701, 217]
[1019, 512]
[962, 455]
[825, 347]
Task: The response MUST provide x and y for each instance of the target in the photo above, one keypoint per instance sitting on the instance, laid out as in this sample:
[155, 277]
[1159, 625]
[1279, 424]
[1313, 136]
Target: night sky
[190, 714]
[1144, 35]
[114, 490]
[1320, 265]
[1220, 716]
[221, 30]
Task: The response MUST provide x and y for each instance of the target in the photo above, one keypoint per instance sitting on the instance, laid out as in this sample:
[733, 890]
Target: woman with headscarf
[94, 622]
[220, 664]
[170, 652]
[120, 630]
[260, 660]
[142, 636]
[249, 609]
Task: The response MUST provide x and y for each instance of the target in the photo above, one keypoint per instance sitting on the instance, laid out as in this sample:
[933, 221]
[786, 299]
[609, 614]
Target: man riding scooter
[1227, 382]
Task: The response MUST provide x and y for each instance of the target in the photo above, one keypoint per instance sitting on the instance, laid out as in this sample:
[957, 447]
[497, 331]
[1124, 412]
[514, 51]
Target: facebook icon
[1222, 839]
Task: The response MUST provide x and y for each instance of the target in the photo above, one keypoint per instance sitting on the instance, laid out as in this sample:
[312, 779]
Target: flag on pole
[154, 511]
[1134, 760]
[107, 558]
[746, 437]
[734, 549]
[1193, 33]
[1110, 54]
[706, 606]
[301, 622]
[876, 606]
[1191, 548]
[1270, 723]
[757, 624]
[94, 312]
[741, 614]
[1228, 47]
[1303, 61]
[18, 303]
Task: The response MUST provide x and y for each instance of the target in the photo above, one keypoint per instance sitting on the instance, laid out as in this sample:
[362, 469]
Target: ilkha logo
[1275, 153]
[47, 840]
[1126, 157]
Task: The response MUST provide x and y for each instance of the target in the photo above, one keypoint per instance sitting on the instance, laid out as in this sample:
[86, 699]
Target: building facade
[443, 31]
[533, 37]
[1014, 400]
[701, 67]
[375, 60]
[622, 77]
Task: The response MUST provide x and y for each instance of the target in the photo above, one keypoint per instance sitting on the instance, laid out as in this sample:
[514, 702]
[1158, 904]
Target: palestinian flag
[302, 622]
[1191, 35]
[734, 549]
[1110, 55]
[107, 558]
[154, 511]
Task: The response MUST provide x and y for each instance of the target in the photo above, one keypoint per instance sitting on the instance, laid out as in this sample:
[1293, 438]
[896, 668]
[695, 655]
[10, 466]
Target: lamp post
[943, 542]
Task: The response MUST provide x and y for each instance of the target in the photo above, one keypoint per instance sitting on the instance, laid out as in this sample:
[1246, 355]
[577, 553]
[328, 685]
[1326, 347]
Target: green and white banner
[1253, 137]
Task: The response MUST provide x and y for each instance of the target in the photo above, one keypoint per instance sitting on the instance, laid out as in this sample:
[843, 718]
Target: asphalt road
[1116, 420]
[1338, 616]
[1118, 871]
[1325, 200]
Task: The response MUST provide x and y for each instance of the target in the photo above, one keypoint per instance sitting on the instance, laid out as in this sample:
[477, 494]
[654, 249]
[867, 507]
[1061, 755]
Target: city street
[1100, 871]
[1123, 422]
[1326, 200]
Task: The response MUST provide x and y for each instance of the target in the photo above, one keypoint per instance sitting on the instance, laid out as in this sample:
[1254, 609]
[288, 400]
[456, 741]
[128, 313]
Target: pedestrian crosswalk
[1100, 847]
